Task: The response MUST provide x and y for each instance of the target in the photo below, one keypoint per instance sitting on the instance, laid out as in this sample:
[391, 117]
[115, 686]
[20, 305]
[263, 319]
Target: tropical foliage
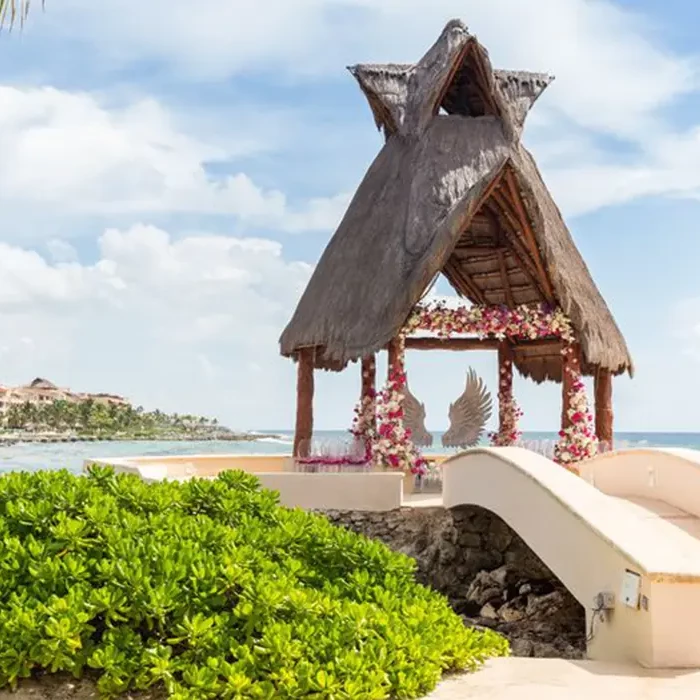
[92, 417]
[14, 11]
[209, 589]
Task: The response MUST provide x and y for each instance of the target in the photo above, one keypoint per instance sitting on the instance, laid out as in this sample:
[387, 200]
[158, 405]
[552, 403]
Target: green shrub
[213, 590]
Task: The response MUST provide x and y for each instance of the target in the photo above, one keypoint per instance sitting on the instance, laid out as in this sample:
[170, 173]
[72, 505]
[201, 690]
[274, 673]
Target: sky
[170, 174]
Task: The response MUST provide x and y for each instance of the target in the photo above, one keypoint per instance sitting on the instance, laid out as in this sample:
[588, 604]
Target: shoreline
[9, 440]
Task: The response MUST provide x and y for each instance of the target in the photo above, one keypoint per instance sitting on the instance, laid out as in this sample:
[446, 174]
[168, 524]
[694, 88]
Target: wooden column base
[603, 408]
[305, 403]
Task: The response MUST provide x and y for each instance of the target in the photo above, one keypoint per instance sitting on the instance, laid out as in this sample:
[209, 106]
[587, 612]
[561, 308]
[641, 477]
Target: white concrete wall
[589, 541]
[363, 491]
[669, 475]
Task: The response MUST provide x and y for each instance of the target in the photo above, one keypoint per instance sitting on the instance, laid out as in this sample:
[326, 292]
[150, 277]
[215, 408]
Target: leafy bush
[214, 591]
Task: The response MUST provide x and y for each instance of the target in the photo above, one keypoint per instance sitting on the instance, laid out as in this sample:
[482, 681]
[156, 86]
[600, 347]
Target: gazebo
[454, 191]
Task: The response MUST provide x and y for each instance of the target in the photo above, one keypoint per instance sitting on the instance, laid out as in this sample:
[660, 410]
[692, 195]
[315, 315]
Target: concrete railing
[363, 491]
[669, 475]
[593, 544]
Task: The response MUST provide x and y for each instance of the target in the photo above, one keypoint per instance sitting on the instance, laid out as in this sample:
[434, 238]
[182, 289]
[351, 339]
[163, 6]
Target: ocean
[33, 456]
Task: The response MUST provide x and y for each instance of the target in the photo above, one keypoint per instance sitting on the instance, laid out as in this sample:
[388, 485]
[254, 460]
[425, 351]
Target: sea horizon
[71, 456]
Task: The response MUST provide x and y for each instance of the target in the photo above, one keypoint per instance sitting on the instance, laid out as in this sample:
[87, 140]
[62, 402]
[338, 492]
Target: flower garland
[578, 441]
[393, 447]
[522, 323]
[364, 422]
[511, 414]
[390, 444]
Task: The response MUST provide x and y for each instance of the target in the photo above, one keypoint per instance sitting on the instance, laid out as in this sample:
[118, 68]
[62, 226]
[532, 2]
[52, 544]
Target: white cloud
[172, 323]
[614, 78]
[612, 72]
[70, 153]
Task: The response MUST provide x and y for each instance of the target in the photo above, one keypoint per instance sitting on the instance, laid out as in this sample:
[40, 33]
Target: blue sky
[169, 177]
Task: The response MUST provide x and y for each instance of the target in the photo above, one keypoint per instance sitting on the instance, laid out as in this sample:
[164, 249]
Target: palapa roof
[453, 191]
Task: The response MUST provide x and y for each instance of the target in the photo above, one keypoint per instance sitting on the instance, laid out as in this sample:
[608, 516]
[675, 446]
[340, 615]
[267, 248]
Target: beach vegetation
[211, 589]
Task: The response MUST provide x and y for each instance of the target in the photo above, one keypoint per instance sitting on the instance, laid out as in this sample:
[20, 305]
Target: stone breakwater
[489, 575]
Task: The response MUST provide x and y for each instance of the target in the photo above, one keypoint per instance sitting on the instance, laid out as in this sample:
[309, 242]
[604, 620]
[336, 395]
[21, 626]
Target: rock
[489, 612]
[521, 647]
[488, 573]
[513, 611]
[501, 576]
[469, 539]
[500, 536]
[483, 588]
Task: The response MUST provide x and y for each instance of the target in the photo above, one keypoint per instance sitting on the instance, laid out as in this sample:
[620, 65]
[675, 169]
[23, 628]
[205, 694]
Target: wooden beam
[506, 281]
[529, 234]
[432, 343]
[393, 357]
[482, 82]
[571, 367]
[369, 383]
[475, 250]
[517, 248]
[451, 343]
[603, 408]
[305, 403]
[470, 286]
[461, 56]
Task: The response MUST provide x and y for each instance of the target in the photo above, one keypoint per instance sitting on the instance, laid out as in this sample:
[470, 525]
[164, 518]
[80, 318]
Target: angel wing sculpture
[469, 414]
[414, 419]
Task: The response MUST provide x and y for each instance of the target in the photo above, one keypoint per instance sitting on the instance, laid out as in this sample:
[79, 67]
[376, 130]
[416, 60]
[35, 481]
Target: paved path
[556, 679]
[653, 508]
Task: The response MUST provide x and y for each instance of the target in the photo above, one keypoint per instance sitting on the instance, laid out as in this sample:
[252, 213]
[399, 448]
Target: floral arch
[379, 417]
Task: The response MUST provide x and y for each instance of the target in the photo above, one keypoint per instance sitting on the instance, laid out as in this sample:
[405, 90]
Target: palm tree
[14, 11]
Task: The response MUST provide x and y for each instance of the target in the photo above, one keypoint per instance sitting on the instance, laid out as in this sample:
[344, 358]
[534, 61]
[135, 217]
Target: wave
[275, 441]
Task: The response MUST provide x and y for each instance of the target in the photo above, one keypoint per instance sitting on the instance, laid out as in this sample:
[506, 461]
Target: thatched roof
[456, 193]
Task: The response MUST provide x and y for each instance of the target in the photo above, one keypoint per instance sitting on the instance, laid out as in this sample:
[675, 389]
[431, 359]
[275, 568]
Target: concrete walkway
[556, 679]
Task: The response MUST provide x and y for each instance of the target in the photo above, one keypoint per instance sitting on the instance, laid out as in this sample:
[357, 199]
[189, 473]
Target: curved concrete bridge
[623, 539]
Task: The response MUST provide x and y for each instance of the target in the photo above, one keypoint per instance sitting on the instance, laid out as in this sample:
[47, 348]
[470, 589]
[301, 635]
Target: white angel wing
[414, 419]
[469, 414]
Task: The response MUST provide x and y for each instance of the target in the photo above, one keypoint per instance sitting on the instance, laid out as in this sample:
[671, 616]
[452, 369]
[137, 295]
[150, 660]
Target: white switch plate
[631, 588]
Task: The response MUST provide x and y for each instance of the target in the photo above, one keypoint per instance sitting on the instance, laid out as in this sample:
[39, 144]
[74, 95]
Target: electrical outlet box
[631, 589]
[605, 600]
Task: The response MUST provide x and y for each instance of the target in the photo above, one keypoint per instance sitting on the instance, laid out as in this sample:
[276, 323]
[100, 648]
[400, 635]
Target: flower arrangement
[393, 447]
[578, 441]
[523, 323]
[510, 434]
[364, 423]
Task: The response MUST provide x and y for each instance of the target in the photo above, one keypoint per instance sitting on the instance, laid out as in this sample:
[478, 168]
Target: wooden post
[393, 357]
[305, 403]
[603, 408]
[570, 369]
[369, 380]
[505, 385]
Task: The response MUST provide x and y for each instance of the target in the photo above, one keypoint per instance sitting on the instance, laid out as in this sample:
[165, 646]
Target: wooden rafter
[475, 250]
[459, 60]
[517, 201]
[512, 233]
[506, 280]
[517, 249]
[463, 279]
[483, 84]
